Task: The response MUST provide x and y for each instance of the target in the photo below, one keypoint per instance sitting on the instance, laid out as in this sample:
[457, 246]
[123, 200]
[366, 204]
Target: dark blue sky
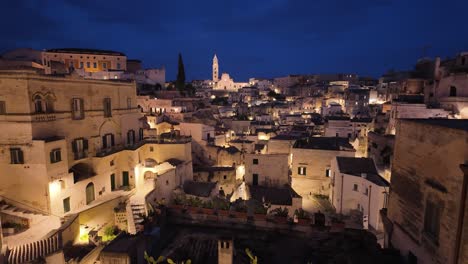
[253, 38]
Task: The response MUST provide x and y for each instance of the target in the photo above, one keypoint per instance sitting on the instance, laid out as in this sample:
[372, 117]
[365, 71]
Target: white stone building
[356, 185]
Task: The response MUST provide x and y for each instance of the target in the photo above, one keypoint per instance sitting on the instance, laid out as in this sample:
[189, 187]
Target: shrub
[301, 214]
[280, 211]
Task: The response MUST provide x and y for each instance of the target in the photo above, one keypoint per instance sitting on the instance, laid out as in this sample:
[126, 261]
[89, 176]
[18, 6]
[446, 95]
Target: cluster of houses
[91, 142]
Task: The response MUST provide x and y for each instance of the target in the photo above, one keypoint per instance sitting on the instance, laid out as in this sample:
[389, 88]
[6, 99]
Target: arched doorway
[90, 193]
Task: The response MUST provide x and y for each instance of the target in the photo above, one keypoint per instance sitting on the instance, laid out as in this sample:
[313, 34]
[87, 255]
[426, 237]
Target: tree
[180, 82]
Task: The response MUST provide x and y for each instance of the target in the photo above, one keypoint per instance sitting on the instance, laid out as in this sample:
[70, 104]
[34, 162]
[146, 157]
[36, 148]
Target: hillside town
[105, 161]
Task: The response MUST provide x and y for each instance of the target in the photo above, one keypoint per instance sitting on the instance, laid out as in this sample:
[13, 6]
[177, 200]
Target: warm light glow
[240, 172]
[213, 97]
[54, 188]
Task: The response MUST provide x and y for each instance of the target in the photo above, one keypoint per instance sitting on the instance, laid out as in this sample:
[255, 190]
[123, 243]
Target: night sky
[252, 38]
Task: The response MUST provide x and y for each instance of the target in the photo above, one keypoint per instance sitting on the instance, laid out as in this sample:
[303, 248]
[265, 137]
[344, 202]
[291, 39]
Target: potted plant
[194, 204]
[280, 214]
[260, 212]
[240, 211]
[221, 206]
[302, 217]
[207, 207]
[179, 204]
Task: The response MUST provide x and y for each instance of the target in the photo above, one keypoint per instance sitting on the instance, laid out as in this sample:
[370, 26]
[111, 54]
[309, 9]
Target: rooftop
[202, 189]
[87, 51]
[358, 167]
[276, 196]
[124, 243]
[324, 143]
[461, 124]
[211, 169]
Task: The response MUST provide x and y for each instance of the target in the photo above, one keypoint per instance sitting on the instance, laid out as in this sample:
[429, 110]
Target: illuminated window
[302, 170]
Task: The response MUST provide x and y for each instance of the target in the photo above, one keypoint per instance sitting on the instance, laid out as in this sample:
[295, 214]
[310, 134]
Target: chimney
[364, 175]
[225, 251]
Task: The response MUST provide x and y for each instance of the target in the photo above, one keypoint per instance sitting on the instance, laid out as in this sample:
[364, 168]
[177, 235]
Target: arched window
[89, 193]
[49, 104]
[453, 91]
[38, 104]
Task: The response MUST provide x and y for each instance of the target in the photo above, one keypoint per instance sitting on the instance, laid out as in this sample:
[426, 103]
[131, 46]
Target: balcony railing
[45, 117]
[152, 140]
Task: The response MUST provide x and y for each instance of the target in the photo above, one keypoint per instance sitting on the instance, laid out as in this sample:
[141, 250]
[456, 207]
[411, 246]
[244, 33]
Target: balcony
[43, 117]
[135, 146]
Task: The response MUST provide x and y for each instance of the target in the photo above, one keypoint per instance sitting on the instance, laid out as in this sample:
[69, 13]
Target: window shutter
[74, 148]
[305, 170]
[20, 155]
[59, 155]
[112, 140]
[104, 142]
[85, 144]
[12, 159]
[52, 157]
[82, 113]
[73, 108]
[299, 170]
[128, 137]
[133, 136]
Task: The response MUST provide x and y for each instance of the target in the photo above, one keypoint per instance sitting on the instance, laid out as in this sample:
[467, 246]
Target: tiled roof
[358, 167]
[202, 189]
[276, 196]
[324, 143]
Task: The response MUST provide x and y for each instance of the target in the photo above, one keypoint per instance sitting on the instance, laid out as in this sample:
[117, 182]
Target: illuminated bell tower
[215, 69]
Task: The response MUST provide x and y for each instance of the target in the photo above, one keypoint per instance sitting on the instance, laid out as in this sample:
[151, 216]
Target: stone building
[90, 60]
[427, 217]
[269, 170]
[357, 186]
[311, 161]
[71, 144]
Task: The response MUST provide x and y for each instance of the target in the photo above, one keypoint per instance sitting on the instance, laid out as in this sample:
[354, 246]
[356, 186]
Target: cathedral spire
[215, 69]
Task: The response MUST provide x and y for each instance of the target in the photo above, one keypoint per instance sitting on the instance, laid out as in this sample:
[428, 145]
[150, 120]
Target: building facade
[427, 210]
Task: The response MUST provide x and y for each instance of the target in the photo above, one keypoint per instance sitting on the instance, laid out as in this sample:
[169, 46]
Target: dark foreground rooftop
[461, 124]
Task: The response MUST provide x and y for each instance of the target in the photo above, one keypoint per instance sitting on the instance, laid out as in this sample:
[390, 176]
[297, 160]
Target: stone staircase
[135, 210]
[33, 217]
[30, 252]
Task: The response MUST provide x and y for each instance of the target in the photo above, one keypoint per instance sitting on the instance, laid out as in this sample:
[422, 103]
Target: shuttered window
[16, 156]
[77, 108]
[107, 107]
